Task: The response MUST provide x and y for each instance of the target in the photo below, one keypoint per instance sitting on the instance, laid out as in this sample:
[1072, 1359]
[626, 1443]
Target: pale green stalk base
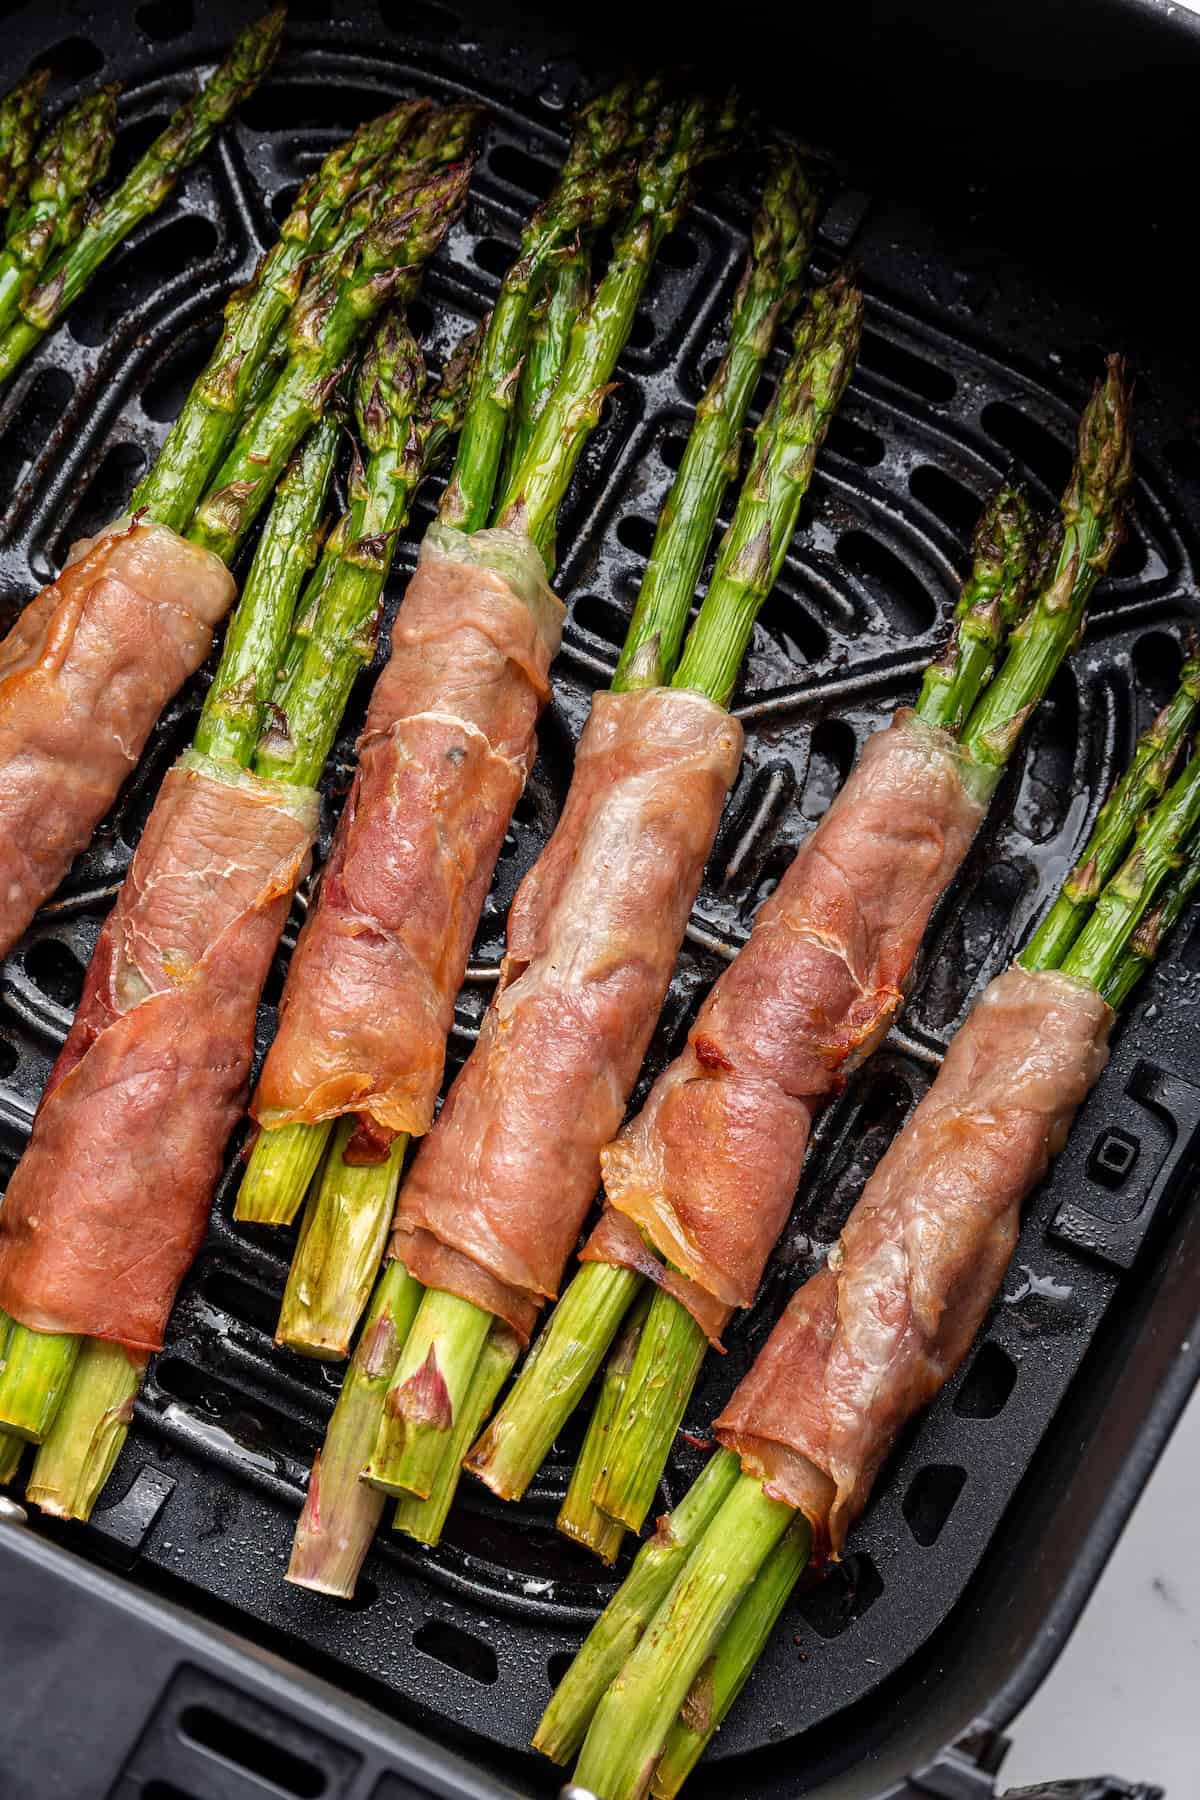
[427, 1394]
[281, 1165]
[631, 1723]
[664, 1373]
[342, 1240]
[341, 1512]
[579, 1517]
[12, 1449]
[424, 1519]
[619, 1628]
[85, 1440]
[554, 1378]
[36, 1369]
[725, 1675]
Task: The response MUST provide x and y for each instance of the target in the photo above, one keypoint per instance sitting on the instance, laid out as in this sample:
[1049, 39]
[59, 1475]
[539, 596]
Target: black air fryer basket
[1016, 184]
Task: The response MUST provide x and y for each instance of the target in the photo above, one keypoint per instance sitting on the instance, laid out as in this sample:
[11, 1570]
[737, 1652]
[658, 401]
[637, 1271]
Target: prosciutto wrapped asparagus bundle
[869, 1340]
[160, 1051]
[625, 771]
[700, 1184]
[92, 660]
[449, 741]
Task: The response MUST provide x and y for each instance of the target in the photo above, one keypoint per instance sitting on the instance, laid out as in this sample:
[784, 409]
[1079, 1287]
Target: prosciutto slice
[448, 744]
[707, 1171]
[84, 673]
[506, 1176]
[109, 1202]
[870, 1339]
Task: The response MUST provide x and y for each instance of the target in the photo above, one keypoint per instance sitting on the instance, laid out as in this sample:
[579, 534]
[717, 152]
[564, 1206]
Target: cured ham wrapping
[109, 1202]
[84, 673]
[812, 993]
[870, 1339]
[448, 744]
[506, 1176]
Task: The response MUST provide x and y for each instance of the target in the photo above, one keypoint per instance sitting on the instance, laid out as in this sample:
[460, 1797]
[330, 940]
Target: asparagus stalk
[39, 1364]
[579, 1516]
[427, 1395]
[424, 1519]
[723, 1677]
[567, 291]
[329, 316]
[993, 598]
[12, 1449]
[342, 1240]
[335, 204]
[1096, 954]
[340, 1511]
[621, 1625]
[630, 1725]
[669, 1354]
[687, 134]
[1143, 783]
[594, 182]
[786, 446]
[554, 1377]
[1156, 925]
[1091, 510]
[20, 115]
[89, 1429]
[780, 245]
[144, 189]
[71, 158]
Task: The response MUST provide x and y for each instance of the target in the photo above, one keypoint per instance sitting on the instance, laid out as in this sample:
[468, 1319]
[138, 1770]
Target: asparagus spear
[686, 134]
[594, 182]
[335, 204]
[584, 1321]
[780, 245]
[1092, 531]
[1174, 897]
[424, 1519]
[144, 189]
[723, 1677]
[992, 600]
[329, 316]
[71, 158]
[567, 291]
[1142, 784]
[340, 1511]
[89, 1429]
[579, 1517]
[20, 114]
[39, 1365]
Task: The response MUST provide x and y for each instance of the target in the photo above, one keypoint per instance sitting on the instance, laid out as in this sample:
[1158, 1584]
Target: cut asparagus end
[427, 1394]
[341, 1512]
[723, 1677]
[89, 1429]
[661, 1380]
[554, 1378]
[280, 1167]
[12, 1449]
[424, 1519]
[342, 1240]
[620, 1626]
[580, 1518]
[630, 1725]
[37, 1367]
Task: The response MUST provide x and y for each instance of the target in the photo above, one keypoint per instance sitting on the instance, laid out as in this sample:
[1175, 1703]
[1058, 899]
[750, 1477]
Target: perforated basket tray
[972, 360]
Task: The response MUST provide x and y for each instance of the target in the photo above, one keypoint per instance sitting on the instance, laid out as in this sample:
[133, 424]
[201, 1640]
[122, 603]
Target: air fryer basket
[994, 286]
